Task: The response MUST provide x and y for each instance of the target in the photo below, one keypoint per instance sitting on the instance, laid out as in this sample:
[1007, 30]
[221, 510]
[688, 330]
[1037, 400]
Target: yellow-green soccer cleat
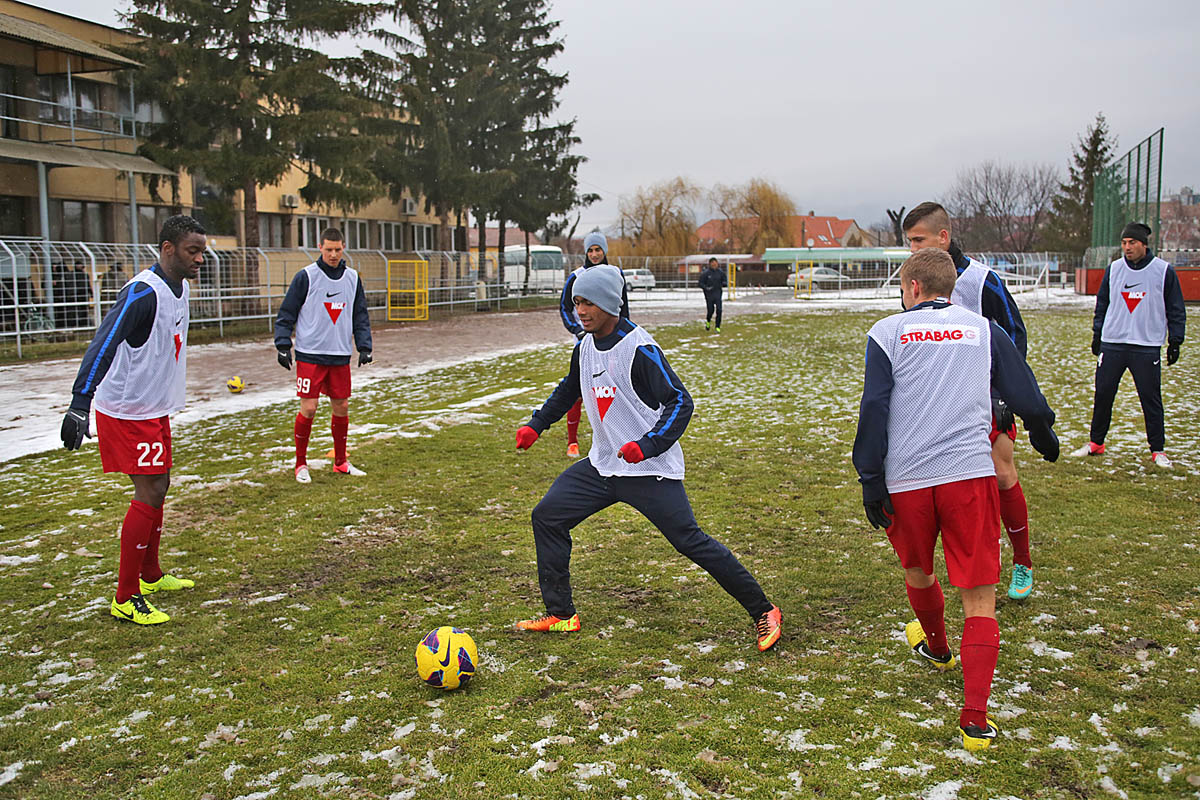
[551, 623]
[976, 738]
[167, 583]
[915, 635]
[137, 609]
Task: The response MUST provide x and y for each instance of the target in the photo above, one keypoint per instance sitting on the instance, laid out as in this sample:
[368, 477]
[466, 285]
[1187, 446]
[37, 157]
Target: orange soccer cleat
[769, 627]
[550, 623]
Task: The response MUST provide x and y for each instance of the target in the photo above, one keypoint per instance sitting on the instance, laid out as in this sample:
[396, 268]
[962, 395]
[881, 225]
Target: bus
[547, 268]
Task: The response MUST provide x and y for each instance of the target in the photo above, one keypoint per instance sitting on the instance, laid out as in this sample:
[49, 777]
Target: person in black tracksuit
[595, 248]
[637, 408]
[712, 282]
[1139, 303]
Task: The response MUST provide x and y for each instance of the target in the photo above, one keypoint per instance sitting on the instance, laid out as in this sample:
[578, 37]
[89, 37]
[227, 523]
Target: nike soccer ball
[235, 384]
[447, 658]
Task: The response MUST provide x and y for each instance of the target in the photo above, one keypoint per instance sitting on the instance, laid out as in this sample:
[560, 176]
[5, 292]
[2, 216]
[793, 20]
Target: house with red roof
[807, 231]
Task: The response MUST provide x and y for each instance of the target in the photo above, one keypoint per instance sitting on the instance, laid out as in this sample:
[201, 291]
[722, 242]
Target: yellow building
[69, 127]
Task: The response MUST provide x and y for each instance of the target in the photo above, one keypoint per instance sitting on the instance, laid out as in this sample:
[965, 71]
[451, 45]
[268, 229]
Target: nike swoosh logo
[598, 374]
[446, 663]
[332, 294]
[123, 614]
[1156, 363]
[179, 321]
[142, 547]
[1132, 285]
[1018, 530]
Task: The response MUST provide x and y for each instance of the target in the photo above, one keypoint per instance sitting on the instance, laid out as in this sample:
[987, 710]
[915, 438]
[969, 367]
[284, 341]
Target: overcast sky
[860, 105]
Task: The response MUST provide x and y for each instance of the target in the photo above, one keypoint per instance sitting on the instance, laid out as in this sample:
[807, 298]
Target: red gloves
[631, 452]
[526, 436]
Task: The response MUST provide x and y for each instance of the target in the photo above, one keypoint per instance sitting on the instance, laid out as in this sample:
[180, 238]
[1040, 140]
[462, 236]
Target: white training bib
[1137, 310]
[615, 412]
[325, 325]
[968, 288]
[150, 381]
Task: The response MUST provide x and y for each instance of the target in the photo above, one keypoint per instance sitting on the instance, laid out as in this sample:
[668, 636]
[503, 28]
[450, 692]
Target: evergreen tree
[1070, 226]
[248, 92]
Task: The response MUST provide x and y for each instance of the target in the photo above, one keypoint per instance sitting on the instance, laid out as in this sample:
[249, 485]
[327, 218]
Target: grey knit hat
[595, 237]
[601, 286]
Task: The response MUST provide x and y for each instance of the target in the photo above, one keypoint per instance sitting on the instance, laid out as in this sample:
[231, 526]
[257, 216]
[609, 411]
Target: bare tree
[757, 215]
[1003, 207]
[659, 220]
[897, 230]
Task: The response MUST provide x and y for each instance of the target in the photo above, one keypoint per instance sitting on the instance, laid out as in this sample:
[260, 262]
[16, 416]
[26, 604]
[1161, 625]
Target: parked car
[820, 277]
[639, 279]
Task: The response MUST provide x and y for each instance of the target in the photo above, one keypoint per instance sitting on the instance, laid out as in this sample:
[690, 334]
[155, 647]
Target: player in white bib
[327, 308]
[1139, 304]
[982, 291]
[924, 461]
[637, 408]
[134, 372]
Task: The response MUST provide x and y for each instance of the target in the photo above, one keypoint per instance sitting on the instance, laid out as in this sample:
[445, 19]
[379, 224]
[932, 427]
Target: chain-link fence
[1129, 190]
[1101, 257]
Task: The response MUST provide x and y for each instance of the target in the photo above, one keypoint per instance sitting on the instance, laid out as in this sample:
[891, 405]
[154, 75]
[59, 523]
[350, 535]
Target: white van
[547, 268]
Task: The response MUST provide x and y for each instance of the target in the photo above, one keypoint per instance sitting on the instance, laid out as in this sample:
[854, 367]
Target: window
[391, 236]
[270, 230]
[422, 237]
[355, 231]
[77, 221]
[310, 229]
[90, 99]
[8, 105]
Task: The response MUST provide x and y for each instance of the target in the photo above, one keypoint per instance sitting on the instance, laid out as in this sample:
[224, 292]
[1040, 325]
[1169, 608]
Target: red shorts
[995, 432]
[314, 380]
[967, 513]
[134, 446]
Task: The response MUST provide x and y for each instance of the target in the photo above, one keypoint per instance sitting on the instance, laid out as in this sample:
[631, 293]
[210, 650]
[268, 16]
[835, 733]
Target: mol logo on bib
[604, 398]
[939, 334]
[335, 310]
[1132, 299]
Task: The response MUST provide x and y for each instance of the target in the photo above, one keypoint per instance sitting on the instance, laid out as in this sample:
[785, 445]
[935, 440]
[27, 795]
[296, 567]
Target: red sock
[930, 607]
[980, 649]
[573, 422]
[135, 540]
[303, 429]
[1014, 513]
[151, 571]
[339, 427]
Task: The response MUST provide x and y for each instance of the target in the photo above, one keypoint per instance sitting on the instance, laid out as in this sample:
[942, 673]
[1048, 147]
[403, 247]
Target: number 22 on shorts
[145, 451]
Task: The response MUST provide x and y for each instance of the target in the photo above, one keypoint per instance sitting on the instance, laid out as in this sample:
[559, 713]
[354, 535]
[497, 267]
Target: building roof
[58, 155]
[95, 58]
[824, 231]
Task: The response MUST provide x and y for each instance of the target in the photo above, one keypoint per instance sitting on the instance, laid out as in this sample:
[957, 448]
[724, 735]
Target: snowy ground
[38, 393]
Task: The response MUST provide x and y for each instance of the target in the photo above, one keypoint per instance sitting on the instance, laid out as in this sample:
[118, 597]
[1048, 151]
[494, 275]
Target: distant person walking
[712, 282]
[1139, 304]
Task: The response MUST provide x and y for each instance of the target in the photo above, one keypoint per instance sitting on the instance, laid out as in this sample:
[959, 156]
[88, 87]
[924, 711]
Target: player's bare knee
[341, 408]
[918, 578]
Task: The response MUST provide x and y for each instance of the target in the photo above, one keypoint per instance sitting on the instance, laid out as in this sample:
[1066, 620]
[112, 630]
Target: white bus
[547, 267]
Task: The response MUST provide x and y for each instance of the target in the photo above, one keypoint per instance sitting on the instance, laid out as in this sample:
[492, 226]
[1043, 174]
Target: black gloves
[74, 428]
[1003, 415]
[285, 357]
[1172, 352]
[1095, 344]
[1045, 441]
[364, 357]
[875, 511]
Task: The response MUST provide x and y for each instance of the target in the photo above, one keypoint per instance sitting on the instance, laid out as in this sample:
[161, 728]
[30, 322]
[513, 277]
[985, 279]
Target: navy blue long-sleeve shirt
[130, 320]
[1172, 299]
[996, 303]
[289, 312]
[566, 304]
[1012, 380]
[711, 281]
[655, 383]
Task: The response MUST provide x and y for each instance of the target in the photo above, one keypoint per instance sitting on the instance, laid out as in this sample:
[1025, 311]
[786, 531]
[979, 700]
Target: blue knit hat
[595, 237]
[601, 286]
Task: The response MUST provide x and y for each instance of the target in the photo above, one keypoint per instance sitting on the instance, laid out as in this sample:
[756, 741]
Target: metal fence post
[95, 284]
[267, 286]
[220, 318]
[16, 296]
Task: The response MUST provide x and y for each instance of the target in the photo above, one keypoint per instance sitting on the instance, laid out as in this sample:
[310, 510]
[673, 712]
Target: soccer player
[1139, 304]
[924, 461]
[638, 409]
[981, 290]
[712, 282]
[134, 372]
[595, 247]
[315, 307]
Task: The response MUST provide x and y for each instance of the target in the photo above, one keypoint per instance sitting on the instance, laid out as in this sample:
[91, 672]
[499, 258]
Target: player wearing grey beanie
[601, 286]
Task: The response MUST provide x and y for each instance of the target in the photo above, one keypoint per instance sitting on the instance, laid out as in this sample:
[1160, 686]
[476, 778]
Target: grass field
[288, 671]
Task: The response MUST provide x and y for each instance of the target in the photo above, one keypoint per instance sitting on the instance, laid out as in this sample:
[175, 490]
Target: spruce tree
[1070, 226]
[249, 92]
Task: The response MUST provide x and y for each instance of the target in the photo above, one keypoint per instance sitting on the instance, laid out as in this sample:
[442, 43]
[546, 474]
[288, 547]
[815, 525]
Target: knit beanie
[1138, 231]
[595, 237]
[601, 286]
